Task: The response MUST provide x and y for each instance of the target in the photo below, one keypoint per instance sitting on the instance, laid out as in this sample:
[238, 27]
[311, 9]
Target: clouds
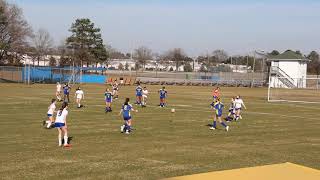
[196, 26]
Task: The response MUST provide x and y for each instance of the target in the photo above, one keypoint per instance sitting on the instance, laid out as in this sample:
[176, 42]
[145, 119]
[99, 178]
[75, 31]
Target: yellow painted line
[285, 171]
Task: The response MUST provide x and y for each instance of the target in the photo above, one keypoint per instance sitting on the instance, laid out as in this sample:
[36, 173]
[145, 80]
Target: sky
[197, 26]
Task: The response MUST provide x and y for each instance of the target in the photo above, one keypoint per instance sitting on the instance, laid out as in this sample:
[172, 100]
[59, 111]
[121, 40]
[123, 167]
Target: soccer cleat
[227, 128]
[127, 132]
[212, 128]
[122, 128]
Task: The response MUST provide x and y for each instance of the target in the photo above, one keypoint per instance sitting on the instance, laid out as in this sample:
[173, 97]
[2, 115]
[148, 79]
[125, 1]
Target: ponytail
[64, 105]
[127, 101]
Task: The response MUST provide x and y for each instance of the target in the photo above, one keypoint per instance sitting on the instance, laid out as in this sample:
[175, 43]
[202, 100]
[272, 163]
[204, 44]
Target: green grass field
[162, 145]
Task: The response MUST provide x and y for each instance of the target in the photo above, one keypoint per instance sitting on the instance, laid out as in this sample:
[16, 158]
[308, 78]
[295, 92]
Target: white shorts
[79, 98]
[144, 96]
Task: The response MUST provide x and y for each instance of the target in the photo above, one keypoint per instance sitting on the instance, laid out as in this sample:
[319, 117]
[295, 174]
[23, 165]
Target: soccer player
[163, 95]
[218, 107]
[115, 88]
[66, 92]
[145, 93]
[231, 114]
[58, 92]
[51, 111]
[238, 103]
[108, 99]
[61, 124]
[138, 94]
[125, 111]
[79, 96]
[216, 93]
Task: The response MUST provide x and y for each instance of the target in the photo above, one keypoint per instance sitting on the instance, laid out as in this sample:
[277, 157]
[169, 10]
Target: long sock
[214, 124]
[223, 124]
[65, 138]
[60, 140]
[49, 124]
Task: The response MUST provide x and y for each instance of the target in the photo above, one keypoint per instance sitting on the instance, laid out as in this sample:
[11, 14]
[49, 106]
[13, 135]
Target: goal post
[300, 90]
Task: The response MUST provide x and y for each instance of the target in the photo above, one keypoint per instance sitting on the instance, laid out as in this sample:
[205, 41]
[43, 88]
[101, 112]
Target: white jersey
[51, 108]
[79, 94]
[145, 93]
[238, 103]
[61, 116]
[58, 87]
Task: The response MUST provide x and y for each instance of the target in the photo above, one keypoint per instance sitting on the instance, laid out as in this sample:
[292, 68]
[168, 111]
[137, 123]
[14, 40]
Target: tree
[177, 56]
[187, 67]
[203, 68]
[86, 43]
[52, 61]
[126, 66]
[274, 53]
[142, 55]
[42, 43]
[218, 56]
[14, 32]
[65, 55]
[314, 65]
[120, 67]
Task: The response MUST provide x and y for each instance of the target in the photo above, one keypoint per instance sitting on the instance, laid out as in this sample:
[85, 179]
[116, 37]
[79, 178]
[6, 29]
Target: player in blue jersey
[139, 95]
[108, 99]
[126, 113]
[218, 107]
[163, 95]
[66, 92]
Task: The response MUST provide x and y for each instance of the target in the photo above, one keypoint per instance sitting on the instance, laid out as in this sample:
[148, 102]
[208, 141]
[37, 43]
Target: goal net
[304, 90]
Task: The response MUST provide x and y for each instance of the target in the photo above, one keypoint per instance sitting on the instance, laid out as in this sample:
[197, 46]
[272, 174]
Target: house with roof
[288, 70]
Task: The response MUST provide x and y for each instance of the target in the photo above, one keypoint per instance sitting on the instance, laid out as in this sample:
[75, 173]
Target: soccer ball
[173, 110]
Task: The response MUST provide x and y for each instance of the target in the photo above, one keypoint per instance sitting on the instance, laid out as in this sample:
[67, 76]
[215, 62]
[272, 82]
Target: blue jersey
[126, 110]
[218, 107]
[139, 91]
[163, 93]
[108, 96]
[66, 89]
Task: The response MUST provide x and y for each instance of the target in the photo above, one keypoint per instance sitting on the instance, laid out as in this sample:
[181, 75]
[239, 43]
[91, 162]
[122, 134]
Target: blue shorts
[109, 100]
[162, 98]
[139, 95]
[237, 109]
[127, 118]
[59, 125]
[49, 115]
[66, 93]
[219, 115]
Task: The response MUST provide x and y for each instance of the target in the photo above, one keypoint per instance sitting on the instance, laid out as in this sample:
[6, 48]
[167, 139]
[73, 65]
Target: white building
[288, 70]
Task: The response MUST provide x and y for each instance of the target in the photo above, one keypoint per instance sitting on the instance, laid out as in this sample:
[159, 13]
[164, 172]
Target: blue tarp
[48, 74]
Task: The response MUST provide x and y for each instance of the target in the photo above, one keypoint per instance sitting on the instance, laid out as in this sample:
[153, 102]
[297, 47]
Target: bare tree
[14, 31]
[142, 55]
[177, 56]
[219, 56]
[42, 43]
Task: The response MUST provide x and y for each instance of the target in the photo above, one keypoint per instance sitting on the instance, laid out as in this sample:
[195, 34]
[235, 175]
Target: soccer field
[163, 144]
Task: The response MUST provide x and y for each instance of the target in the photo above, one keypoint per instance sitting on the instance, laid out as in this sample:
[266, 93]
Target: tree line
[85, 46]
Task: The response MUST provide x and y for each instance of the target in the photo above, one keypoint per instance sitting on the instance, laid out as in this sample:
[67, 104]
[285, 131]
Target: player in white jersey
[61, 124]
[145, 94]
[238, 103]
[115, 89]
[58, 92]
[79, 96]
[51, 111]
